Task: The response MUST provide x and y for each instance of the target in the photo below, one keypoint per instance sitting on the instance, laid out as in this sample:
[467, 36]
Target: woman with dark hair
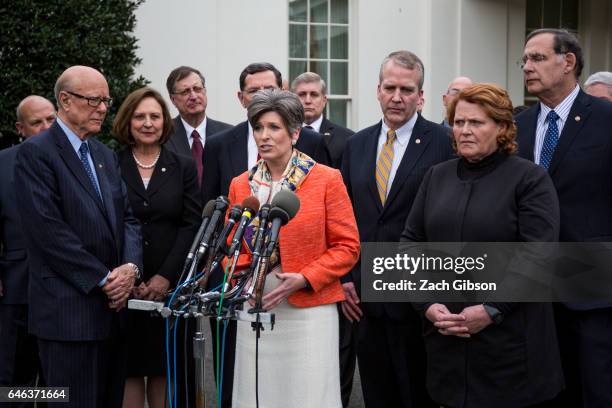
[487, 354]
[164, 195]
[298, 360]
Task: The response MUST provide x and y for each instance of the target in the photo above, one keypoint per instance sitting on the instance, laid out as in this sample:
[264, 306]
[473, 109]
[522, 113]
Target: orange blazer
[321, 242]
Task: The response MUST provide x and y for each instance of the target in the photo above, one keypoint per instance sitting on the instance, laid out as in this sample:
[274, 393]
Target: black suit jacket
[335, 136]
[168, 209]
[13, 257]
[226, 156]
[73, 238]
[580, 169]
[385, 224]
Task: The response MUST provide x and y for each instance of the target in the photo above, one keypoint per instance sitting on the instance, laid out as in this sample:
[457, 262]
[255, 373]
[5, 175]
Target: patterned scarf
[262, 187]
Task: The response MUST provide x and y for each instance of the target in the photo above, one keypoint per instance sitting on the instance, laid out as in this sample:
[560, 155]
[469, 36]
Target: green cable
[218, 362]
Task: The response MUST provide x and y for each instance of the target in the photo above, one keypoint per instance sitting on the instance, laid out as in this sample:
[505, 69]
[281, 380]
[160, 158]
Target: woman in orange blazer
[298, 360]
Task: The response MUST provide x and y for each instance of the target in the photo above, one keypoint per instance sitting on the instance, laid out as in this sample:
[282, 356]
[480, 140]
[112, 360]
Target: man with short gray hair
[599, 85]
[383, 166]
[312, 91]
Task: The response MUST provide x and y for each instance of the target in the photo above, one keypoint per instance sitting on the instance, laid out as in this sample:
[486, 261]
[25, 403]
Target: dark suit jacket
[13, 265]
[335, 136]
[168, 209]
[580, 169]
[178, 141]
[73, 238]
[226, 156]
[378, 224]
[515, 363]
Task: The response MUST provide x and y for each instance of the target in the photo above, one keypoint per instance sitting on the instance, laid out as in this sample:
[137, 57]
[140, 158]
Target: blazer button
[146, 243]
[146, 203]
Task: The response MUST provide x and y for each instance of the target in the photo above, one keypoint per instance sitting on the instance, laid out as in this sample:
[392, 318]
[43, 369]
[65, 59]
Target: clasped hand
[154, 289]
[470, 321]
[290, 282]
[119, 285]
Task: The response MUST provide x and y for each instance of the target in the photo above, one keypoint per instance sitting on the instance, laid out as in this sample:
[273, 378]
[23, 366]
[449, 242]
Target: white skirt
[298, 360]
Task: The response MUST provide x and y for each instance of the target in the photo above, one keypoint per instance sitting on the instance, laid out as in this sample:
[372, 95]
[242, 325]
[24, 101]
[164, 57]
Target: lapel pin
[163, 169]
[418, 141]
[100, 165]
[327, 133]
[577, 118]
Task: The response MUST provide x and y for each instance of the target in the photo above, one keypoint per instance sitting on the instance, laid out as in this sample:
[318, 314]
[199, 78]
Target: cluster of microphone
[214, 243]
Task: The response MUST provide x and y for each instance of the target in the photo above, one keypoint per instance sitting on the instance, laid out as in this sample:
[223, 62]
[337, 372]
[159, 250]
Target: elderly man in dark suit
[312, 91]
[383, 166]
[83, 244]
[570, 134]
[187, 89]
[19, 363]
[233, 151]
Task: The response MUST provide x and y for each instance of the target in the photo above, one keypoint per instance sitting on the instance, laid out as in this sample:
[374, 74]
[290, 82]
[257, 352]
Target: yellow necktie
[383, 166]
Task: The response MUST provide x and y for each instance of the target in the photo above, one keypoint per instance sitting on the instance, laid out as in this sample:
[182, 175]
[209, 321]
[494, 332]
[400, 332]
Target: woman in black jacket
[164, 195]
[487, 354]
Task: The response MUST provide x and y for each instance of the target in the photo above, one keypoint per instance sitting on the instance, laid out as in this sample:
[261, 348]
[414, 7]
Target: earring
[293, 143]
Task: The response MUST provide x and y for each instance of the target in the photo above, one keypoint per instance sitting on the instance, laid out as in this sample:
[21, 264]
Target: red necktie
[196, 152]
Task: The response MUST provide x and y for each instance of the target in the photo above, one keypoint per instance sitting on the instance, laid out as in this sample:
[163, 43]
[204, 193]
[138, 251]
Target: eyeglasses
[94, 101]
[535, 58]
[253, 91]
[185, 92]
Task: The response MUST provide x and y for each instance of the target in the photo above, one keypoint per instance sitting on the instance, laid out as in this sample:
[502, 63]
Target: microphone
[250, 207]
[264, 211]
[206, 213]
[233, 217]
[285, 206]
[218, 214]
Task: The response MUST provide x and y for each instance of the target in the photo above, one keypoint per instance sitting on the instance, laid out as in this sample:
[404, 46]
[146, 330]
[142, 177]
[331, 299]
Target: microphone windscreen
[235, 212]
[277, 212]
[252, 203]
[221, 203]
[208, 209]
[288, 201]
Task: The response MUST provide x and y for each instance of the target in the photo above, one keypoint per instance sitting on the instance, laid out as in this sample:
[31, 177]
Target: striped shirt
[563, 110]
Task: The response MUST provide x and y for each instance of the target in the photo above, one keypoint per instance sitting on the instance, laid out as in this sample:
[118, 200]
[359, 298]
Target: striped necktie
[550, 139]
[383, 166]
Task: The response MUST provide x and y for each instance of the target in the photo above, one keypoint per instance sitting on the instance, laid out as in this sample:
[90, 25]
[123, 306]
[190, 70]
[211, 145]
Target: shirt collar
[316, 125]
[189, 129]
[563, 108]
[402, 134]
[74, 140]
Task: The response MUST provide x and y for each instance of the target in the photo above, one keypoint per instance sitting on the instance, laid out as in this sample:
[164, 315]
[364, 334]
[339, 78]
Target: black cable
[257, 361]
[185, 363]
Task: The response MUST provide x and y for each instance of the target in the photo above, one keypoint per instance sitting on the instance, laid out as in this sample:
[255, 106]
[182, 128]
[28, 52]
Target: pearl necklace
[146, 166]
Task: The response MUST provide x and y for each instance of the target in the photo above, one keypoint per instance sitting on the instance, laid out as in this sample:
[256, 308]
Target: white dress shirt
[189, 130]
[402, 139]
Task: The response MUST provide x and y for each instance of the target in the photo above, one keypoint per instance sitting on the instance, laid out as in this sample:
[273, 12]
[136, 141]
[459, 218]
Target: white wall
[218, 37]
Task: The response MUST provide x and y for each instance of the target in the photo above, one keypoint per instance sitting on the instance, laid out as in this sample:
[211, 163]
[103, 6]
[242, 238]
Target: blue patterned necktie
[83, 150]
[550, 139]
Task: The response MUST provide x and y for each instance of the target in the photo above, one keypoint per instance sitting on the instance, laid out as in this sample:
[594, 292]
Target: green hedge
[40, 39]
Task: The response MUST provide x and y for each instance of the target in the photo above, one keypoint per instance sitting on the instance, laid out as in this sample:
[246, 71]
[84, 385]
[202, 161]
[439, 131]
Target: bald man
[83, 244]
[457, 85]
[34, 114]
[19, 363]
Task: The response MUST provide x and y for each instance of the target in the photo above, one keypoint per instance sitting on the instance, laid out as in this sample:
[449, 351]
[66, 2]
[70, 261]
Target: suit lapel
[527, 137]
[580, 109]
[131, 176]
[74, 164]
[238, 148]
[163, 171]
[179, 140]
[369, 154]
[416, 146]
[105, 188]
[327, 130]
